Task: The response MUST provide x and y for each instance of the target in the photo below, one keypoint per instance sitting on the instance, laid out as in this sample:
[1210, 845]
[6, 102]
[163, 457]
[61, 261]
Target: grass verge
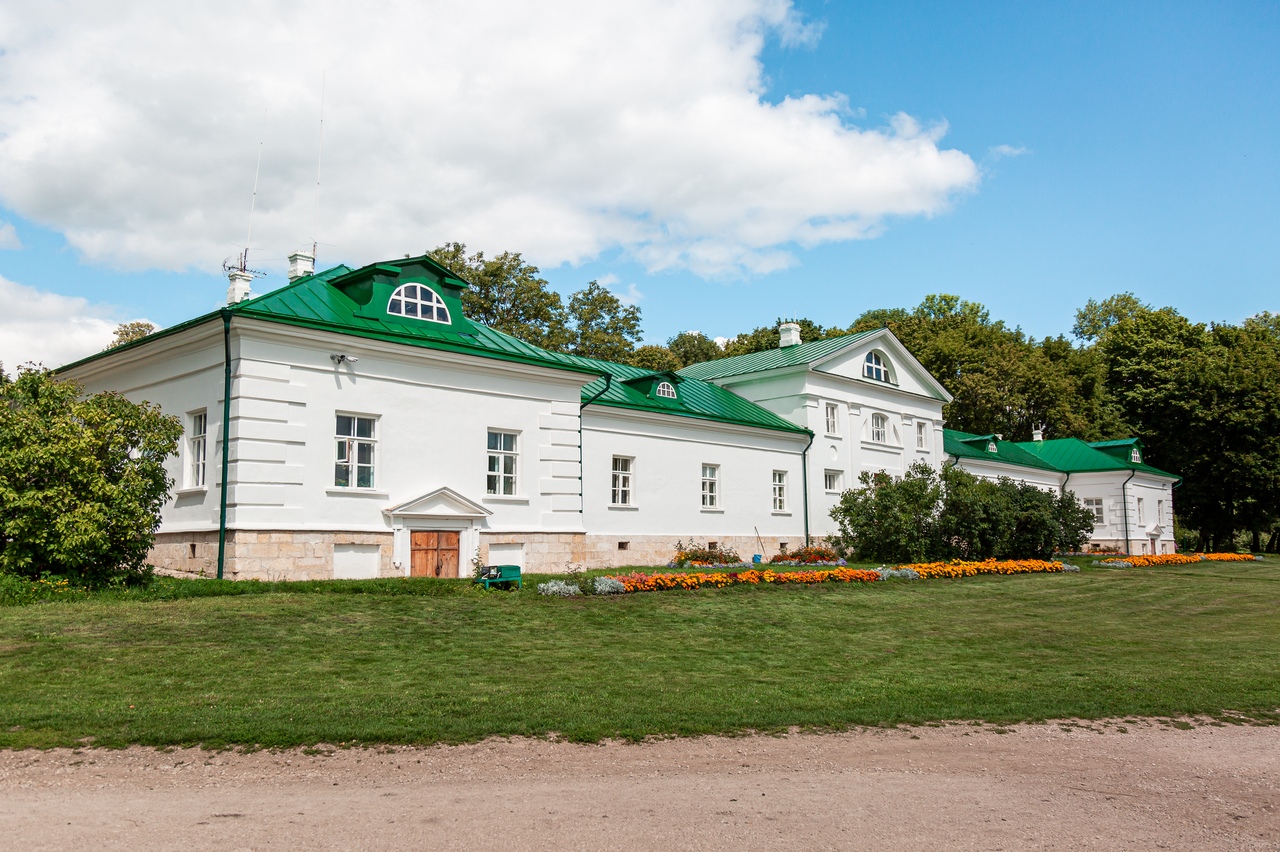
[195, 662]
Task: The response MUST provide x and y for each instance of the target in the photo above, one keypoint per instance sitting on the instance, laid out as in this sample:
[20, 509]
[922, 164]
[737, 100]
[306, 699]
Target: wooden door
[433, 554]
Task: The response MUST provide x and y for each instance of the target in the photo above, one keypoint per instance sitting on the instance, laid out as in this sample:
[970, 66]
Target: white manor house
[356, 424]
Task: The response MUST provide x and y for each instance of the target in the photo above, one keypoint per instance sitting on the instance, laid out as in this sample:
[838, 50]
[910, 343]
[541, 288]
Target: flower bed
[639, 582]
[1229, 557]
[1175, 559]
[953, 570]
[808, 556]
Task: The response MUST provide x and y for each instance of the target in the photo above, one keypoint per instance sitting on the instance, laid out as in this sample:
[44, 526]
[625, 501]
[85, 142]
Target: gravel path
[1115, 785]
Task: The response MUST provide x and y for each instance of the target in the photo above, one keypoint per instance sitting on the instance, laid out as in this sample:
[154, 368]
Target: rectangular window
[1094, 504]
[1159, 511]
[831, 479]
[779, 491]
[357, 450]
[620, 494]
[921, 436]
[833, 419]
[197, 449]
[1142, 519]
[710, 486]
[504, 461]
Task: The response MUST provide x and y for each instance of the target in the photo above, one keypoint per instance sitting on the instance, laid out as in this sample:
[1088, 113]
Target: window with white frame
[880, 428]
[833, 419]
[1135, 456]
[831, 480]
[357, 442]
[418, 301]
[874, 368]
[1159, 511]
[779, 491]
[620, 493]
[922, 434]
[504, 464]
[1094, 504]
[1142, 513]
[197, 449]
[710, 486]
[666, 390]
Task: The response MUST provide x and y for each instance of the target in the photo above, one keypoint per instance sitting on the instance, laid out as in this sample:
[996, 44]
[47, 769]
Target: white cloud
[9, 236]
[48, 328]
[558, 129]
[630, 296]
[1000, 152]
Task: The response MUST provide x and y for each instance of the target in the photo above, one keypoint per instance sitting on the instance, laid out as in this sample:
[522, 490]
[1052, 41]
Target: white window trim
[778, 495]
[881, 363]
[922, 437]
[884, 433]
[832, 419]
[665, 386]
[839, 475]
[716, 503]
[190, 485]
[630, 488]
[1100, 514]
[353, 440]
[516, 493]
[436, 305]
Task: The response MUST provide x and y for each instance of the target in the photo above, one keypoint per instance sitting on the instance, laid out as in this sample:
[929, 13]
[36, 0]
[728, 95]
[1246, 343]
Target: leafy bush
[558, 588]
[696, 554]
[929, 516]
[811, 555]
[82, 480]
[608, 586]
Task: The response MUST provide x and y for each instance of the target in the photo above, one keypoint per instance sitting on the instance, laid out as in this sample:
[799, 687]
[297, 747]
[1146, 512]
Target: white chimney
[239, 289]
[1037, 435]
[788, 335]
[301, 264]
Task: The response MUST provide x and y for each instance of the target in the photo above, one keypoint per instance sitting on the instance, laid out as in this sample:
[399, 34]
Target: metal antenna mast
[244, 257]
[315, 228]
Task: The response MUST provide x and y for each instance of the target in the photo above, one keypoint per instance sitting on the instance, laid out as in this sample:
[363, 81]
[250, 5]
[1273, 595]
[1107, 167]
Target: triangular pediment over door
[440, 504]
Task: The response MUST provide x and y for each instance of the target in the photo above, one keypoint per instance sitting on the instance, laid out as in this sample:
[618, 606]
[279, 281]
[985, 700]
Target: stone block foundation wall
[554, 553]
[254, 555]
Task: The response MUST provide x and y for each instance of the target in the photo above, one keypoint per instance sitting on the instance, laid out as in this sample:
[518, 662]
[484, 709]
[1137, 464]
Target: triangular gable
[440, 503]
[882, 339]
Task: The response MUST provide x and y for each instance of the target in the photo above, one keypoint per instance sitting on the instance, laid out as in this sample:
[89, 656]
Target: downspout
[1124, 499]
[804, 479]
[226, 437]
[582, 497]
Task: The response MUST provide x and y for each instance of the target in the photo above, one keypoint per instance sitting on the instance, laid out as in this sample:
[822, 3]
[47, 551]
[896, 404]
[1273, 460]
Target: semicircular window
[666, 390]
[418, 301]
[875, 368]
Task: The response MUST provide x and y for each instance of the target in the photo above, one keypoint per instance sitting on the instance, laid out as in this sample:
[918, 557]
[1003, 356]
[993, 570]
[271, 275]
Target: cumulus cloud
[559, 129]
[49, 329]
[9, 236]
[1001, 152]
[630, 295]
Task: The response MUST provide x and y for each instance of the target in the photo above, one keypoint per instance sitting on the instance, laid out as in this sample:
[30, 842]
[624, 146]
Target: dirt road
[1117, 785]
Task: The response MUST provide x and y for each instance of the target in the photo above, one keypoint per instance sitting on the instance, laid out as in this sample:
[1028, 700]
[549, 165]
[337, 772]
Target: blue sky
[1116, 146]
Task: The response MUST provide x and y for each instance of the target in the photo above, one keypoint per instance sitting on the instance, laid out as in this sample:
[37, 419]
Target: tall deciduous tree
[602, 327]
[694, 347]
[127, 332]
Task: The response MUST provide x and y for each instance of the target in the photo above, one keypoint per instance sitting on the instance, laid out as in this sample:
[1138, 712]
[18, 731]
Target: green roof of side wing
[968, 446]
[1071, 455]
[769, 359]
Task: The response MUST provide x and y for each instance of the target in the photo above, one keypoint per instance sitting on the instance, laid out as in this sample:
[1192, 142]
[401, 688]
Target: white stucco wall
[1120, 495]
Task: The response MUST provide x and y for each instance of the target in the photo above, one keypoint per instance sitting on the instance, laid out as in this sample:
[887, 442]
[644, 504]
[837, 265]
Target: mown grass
[433, 661]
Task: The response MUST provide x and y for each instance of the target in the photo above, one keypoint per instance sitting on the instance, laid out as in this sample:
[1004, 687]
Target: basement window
[624, 545]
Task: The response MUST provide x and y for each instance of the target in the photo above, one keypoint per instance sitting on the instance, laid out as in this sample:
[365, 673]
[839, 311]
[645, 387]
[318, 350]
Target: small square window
[831, 480]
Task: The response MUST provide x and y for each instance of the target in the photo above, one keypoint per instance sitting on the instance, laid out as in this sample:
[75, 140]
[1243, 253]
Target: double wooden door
[433, 554]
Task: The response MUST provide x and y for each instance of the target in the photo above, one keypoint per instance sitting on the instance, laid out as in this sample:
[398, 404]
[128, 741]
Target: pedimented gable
[441, 503]
[891, 365]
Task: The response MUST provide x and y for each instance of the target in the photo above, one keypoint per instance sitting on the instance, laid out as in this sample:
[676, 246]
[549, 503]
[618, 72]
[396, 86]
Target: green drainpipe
[226, 437]
[804, 480]
[582, 495]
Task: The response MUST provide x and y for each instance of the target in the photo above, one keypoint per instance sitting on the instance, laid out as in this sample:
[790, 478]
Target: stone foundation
[555, 553]
[253, 555]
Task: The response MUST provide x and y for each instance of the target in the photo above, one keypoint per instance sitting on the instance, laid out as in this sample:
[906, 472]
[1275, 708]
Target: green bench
[491, 574]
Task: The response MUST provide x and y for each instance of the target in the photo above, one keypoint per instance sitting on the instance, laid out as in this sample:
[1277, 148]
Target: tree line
[1204, 398]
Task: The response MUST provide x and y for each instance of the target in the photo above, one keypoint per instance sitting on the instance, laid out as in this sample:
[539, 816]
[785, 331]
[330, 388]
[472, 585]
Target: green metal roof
[694, 398]
[969, 446]
[1071, 455]
[770, 359]
[354, 302]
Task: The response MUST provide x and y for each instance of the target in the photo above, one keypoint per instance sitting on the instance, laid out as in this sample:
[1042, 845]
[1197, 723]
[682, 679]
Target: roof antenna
[238, 271]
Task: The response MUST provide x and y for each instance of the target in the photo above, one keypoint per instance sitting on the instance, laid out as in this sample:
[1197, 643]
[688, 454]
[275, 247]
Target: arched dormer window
[1135, 456]
[666, 390]
[992, 448]
[418, 301]
[874, 368]
[880, 428]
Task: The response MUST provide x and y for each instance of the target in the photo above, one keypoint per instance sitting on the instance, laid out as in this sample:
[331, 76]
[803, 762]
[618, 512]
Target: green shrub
[82, 480]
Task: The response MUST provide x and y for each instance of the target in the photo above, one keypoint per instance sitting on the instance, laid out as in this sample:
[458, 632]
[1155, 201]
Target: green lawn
[431, 661]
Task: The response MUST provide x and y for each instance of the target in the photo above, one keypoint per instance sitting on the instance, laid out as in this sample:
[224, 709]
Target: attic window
[991, 447]
[666, 390]
[875, 368]
[418, 301]
[1135, 456]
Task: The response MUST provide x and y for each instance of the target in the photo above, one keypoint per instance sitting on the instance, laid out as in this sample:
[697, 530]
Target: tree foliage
[82, 480]
[930, 515]
[127, 332]
[602, 326]
[694, 347]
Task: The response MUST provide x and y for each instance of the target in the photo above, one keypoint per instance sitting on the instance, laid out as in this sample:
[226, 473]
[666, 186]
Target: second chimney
[301, 264]
[788, 335]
